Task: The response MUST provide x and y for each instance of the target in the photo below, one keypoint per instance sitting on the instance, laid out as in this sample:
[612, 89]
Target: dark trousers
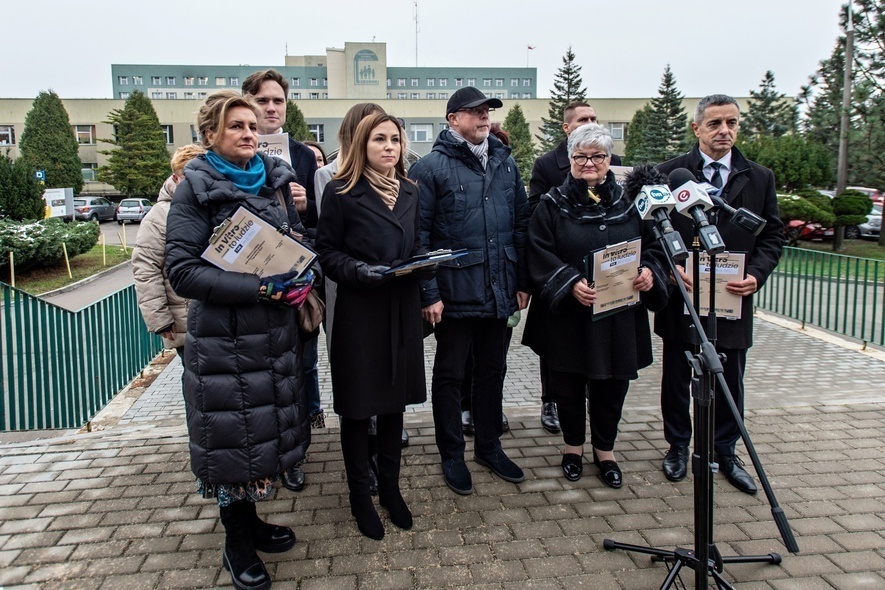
[603, 400]
[676, 397]
[467, 382]
[355, 448]
[455, 338]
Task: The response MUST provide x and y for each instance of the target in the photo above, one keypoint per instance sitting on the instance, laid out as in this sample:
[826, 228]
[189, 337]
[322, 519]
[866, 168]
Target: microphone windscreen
[679, 177]
[642, 175]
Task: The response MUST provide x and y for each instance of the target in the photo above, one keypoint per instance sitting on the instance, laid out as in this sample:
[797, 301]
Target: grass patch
[40, 280]
[859, 248]
[862, 260]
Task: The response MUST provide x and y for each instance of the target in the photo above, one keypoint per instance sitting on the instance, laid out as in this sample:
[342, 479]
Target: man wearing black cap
[472, 197]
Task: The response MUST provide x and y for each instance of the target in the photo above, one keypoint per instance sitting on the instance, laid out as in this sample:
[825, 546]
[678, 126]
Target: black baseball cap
[469, 97]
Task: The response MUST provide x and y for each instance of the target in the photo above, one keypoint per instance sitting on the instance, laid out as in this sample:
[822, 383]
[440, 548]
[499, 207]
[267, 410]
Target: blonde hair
[355, 161]
[213, 113]
[183, 155]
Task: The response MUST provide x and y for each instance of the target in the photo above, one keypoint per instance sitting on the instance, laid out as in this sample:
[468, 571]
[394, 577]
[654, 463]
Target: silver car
[132, 210]
[871, 228]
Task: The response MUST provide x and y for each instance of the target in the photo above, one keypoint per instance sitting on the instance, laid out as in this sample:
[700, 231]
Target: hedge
[39, 243]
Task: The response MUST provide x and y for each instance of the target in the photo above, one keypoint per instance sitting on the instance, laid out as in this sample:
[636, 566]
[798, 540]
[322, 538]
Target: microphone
[692, 201]
[742, 217]
[646, 187]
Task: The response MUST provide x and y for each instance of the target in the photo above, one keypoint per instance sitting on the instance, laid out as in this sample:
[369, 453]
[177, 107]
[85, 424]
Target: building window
[137, 81]
[414, 81]
[7, 135]
[88, 171]
[400, 81]
[314, 82]
[401, 95]
[156, 81]
[155, 94]
[167, 130]
[486, 81]
[325, 82]
[85, 134]
[189, 95]
[295, 95]
[459, 81]
[526, 94]
[431, 95]
[195, 137]
[514, 81]
[471, 81]
[421, 133]
[325, 95]
[314, 96]
[416, 95]
[319, 132]
[431, 81]
[123, 80]
[188, 80]
[171, 95]
[220, 81]
[388, 96]
[170, 80]
[124, 95]
[443, 126]
[201, 95]
[295, 82]
[233, 81]
[499, 95]
[499, 82]
[526, 81]
[203, 81]
[443, 81]
[617, 130]
[444, 95]
[388, 82]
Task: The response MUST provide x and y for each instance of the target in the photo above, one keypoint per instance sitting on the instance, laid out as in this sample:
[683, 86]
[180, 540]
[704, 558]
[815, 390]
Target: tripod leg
[774, 558]
[721, 583]
[671, 577]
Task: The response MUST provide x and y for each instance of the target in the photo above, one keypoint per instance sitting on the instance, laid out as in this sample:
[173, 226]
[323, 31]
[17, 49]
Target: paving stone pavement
[117, 508]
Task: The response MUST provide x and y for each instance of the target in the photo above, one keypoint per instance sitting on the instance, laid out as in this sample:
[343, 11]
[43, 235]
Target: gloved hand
[272, 287]
[369, 275]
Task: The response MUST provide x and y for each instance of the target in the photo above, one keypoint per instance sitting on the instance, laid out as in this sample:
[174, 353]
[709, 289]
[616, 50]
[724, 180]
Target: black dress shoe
[404, 441]
[675, 463]
[457, 476]
[293, 479]
[732, 467]
[572, 466]
[505, 423]
[609, 472]
[502, 466]
[467, 422]
[550, 417]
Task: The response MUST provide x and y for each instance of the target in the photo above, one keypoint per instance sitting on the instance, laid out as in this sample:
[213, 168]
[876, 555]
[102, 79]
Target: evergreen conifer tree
[295, 124]
[664, 134]
[140, 163]
[770, 114]
[21, 197]
[635, 143]
[520, 141]
[567, 88]
[48, 143]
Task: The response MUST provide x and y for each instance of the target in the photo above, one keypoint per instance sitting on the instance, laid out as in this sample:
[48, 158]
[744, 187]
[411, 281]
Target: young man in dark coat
[743, 183]
[269, 89]
[550, 171]
[472, 197]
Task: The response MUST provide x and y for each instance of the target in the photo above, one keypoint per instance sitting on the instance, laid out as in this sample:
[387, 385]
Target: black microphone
[743, 217]
[646, 187]
[692, 201]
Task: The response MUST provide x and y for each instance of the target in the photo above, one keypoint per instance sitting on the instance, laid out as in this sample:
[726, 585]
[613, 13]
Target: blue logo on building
[364, 63]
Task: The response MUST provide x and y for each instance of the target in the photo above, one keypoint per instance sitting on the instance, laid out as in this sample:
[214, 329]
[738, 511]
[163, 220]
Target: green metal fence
[844, 294]
[57, 367]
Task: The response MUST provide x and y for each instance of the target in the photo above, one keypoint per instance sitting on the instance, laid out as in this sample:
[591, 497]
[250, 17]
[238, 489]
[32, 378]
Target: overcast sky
[622, 45]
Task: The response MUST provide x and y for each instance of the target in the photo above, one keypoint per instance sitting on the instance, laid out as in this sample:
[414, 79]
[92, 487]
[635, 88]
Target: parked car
[872, 193]
[815, 232]
[870, 229]
[94, 209]
[132, 210]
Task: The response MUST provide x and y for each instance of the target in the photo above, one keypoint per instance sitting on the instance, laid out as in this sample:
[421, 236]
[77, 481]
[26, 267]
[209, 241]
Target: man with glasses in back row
[472, 197]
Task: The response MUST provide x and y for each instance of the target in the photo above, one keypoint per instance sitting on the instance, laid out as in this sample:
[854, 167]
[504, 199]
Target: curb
[87, 280]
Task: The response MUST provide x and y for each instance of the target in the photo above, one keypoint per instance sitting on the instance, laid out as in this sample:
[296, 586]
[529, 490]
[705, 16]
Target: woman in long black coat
[369, 222]
[590, 360]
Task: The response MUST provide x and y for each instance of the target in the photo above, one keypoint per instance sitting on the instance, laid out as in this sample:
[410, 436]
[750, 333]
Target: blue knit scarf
[248, 180]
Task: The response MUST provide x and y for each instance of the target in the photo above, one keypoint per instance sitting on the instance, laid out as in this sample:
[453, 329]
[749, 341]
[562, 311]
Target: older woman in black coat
[586, 355]
[247, 415]
[369, 222]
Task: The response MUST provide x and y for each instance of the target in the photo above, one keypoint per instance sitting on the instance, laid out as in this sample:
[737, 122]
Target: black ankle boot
[367, 520]
[269, 538]
[392, 499]
[246, 569]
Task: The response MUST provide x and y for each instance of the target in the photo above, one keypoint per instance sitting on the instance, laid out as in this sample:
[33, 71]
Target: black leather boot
[269, 538]
[389, 457]
[354, 448]
[246, 569]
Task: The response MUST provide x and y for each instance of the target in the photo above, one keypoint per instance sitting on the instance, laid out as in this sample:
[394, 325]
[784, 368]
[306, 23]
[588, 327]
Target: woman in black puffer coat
[247, 414]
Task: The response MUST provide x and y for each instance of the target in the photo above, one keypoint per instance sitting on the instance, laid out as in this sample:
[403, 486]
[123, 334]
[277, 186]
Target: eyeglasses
[477, 111]
[581, 159]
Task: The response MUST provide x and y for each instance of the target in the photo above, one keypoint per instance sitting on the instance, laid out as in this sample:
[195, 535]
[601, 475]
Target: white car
[870, 229]
[132, 210]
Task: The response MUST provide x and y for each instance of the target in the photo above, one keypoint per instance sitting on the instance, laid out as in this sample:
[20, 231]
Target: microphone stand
[706, 364]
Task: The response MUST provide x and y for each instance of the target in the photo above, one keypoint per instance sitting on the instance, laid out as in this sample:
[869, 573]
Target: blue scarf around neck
[249, 180]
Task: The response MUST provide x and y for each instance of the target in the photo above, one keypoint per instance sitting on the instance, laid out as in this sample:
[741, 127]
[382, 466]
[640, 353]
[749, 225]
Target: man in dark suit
[550, 171]
[715, 160]
[268, 88]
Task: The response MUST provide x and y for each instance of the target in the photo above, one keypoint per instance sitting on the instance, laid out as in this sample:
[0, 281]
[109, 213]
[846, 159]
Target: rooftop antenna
[416, 32]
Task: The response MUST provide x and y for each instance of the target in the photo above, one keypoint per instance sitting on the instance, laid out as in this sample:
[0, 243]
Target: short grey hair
[590, 135]
[713, 100]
